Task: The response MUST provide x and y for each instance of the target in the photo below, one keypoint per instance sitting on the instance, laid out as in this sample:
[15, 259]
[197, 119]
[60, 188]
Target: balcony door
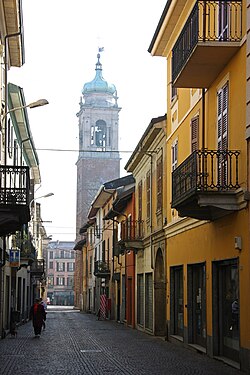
[223, 20]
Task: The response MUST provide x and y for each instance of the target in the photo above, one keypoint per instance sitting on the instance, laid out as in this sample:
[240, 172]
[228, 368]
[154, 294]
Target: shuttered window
[222, 132]
[223, 118]
[194, 133]
[140, 200]
[148, 193]
[174, 155]
[159, 183]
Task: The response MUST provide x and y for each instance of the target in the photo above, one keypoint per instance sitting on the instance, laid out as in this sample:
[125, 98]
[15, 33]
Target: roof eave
[21, 125]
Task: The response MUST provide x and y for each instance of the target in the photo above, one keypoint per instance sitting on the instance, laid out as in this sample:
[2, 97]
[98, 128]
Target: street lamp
[43, 196]
[38, 103]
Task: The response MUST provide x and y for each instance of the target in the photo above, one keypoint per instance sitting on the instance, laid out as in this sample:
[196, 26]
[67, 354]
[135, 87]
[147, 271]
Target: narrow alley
[76, 343]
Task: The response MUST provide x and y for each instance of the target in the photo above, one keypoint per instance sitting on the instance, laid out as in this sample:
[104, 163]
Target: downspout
[203, 120]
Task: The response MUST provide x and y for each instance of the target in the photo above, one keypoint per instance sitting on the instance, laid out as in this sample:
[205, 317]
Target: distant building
[60, 273]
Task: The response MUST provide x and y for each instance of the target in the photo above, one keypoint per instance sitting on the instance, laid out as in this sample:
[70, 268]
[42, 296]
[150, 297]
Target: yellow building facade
[148, 239]
[207, 230]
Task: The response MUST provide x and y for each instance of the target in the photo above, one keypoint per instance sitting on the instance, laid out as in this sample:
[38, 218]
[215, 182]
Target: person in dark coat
[38, 315]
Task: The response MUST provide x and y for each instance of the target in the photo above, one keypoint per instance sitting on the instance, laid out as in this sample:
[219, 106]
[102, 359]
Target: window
[148, 187]
[70, 281]
[99, 134]
[51, 255]
[60, 280]
[15, 156]
[51, 265]
[174, 154]
[62, 254]
[159, 183]
[140, 200]
[103, 251]
[223, 20]
[50, 281]
[10, 138]
[222, 99]
[222, 137]
[173, 92]
[60, 267]
[90, 264]
[194, 133]
[70, 267]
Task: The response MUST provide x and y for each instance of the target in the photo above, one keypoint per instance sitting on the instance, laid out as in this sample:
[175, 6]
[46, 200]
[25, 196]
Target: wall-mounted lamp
[238, 243]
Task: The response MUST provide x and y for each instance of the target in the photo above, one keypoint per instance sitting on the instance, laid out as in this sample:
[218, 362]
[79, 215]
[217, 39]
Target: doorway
[197, 304]
[226, 309]
[160, 295]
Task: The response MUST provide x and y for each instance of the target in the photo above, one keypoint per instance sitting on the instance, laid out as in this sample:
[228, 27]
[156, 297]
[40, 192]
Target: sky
[61, 40]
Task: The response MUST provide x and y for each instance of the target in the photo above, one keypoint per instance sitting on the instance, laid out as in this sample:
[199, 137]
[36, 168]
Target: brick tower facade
[99, 159]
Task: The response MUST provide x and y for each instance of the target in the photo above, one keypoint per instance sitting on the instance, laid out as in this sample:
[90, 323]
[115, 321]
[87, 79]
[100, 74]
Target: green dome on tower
[98, 84]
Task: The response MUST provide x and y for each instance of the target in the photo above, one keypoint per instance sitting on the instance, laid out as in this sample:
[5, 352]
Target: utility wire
[74, 150]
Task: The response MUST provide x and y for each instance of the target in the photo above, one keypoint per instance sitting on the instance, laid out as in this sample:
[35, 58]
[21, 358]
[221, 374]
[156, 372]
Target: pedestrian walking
[45, 308]
[38, 315]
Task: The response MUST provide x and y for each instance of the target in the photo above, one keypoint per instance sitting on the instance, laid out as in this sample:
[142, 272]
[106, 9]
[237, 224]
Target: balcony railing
[14, 185]
[205, 171]
[132, 230]
[101, 268]
[209, 21]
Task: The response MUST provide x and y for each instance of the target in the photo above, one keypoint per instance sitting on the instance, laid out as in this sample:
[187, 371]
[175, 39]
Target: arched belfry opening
[101, 134]
[160, 294]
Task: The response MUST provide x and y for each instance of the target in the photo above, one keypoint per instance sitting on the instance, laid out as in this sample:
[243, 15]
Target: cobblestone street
[75, 343]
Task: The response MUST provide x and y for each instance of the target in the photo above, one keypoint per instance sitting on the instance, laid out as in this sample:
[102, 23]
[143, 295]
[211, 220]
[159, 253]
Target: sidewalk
[76, 343]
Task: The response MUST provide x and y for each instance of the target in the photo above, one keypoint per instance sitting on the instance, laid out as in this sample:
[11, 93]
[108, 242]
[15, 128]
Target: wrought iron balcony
[208, 40]
[132, 234]
[14, 198]
[101, 269]
[206, 185]
[25, 244]
[37, 268]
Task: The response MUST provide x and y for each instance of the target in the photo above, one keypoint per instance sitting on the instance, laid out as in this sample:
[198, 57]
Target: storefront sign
[15, 258]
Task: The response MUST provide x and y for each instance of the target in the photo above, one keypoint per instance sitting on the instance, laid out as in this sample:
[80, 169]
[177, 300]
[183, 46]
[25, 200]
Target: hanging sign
[14, 258]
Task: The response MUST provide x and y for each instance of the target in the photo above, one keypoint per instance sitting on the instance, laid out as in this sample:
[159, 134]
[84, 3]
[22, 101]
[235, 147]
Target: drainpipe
[203, 120]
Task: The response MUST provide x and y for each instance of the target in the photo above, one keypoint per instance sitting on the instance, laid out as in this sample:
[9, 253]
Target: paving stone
[77, 343]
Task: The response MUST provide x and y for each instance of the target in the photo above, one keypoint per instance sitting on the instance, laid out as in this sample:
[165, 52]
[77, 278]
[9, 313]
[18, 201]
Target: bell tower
[98, 159]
